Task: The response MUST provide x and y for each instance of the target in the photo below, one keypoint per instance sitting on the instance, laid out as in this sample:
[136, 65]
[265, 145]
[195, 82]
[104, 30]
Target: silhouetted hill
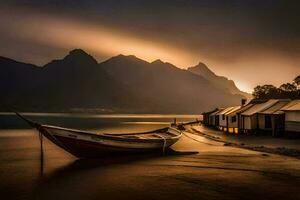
[166, 86]
[75, 80]
[219, 81]
[15, 79]
[123, 84]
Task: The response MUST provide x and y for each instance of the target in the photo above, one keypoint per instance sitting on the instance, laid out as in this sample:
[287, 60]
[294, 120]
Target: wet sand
[267, 144]
[216, 172]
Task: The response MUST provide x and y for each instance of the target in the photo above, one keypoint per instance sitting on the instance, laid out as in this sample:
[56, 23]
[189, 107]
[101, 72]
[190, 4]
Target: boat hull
[86, 145]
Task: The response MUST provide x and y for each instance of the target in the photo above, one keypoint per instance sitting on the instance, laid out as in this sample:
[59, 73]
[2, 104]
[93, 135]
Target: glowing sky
[251, 42]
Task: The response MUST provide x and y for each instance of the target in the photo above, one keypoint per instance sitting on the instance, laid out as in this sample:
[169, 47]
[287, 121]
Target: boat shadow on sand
[105, 161]
[87, 168]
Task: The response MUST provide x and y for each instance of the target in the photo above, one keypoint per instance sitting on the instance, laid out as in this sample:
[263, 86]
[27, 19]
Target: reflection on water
[146, 123]
[105, 116]
[10, 120]
[21, 167]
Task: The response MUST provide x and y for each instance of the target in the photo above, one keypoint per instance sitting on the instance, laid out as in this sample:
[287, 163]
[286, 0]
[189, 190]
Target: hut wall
[231, 122]
[262, 122]
[217, 120]
[212, 120]
[292, 126]
[250, 122]
[240, 122]
[292, 121]
[292, 116]
[222, 120]
[205, 119]
[254, 121]
[247, 122]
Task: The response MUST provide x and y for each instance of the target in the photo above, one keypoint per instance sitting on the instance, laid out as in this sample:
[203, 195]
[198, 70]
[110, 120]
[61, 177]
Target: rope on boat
[165, 143]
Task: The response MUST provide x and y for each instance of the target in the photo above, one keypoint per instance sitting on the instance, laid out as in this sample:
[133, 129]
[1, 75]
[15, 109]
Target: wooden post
[41, 153]
[227, 124]
[273, 125]
[257, 123]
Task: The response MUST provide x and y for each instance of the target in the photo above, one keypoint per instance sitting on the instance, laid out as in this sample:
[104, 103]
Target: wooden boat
[89, 144]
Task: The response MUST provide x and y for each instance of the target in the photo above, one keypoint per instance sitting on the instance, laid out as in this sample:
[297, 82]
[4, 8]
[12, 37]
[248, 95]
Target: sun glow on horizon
[70, 34]
[66, 33]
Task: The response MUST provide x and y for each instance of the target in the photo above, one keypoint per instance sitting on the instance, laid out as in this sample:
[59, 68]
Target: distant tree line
[285, 91]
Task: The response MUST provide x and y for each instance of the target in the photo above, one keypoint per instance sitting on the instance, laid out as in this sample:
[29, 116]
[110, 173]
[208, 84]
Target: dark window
[233, 119]
[268, 121]
[223, 117]
[217, 120]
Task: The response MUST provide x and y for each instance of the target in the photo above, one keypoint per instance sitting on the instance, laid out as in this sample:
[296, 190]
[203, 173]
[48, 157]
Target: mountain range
[121, 84]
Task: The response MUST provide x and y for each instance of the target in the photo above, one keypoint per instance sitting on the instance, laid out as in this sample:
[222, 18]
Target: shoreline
[260, 148]
[199, 168]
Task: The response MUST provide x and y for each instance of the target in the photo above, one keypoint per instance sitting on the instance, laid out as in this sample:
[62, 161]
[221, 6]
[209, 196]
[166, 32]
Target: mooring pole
[41, 152]
[38, 127]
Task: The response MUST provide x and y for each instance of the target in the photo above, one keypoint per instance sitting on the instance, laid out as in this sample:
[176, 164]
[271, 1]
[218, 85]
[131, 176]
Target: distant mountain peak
[79, 55]
[158, 61]
[201, 64]
[77, 52]
[202, 69]
[219, 81]
[163, 65]
[125, 59]
[122, 56]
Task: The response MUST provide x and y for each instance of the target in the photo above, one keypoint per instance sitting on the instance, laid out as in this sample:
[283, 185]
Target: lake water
[105, 122]
[20, 166]
[216, 172]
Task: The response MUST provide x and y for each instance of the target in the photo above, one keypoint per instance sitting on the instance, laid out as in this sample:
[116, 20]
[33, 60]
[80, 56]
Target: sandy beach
[261, 143]
[216, 172]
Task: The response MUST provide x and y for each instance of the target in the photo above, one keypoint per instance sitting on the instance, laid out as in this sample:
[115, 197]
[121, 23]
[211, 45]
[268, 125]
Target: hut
[206, 116]
[271, 120]
[214, 119]
[237, 113]
[249, 119]
[222, 118]
[231, 120]
[292, 118]
[210, 118]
